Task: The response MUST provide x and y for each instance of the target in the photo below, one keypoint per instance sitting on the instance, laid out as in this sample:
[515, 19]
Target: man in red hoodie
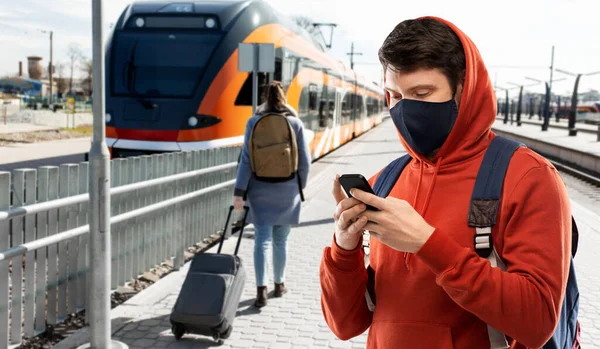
[432, 289]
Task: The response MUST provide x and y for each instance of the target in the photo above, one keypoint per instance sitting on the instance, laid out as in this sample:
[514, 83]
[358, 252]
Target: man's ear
[459, 88]
[458, 95]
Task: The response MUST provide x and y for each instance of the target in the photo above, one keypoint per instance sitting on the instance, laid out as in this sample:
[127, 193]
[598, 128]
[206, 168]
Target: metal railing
[161, 204]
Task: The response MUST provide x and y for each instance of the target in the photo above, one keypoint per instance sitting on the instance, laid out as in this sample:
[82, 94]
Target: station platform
[296, 320]
[582, 150]
[561, 124]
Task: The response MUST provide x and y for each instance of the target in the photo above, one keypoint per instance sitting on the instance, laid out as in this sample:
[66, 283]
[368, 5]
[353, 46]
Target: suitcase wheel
[178, 331]
[227, 332]
[219, 337]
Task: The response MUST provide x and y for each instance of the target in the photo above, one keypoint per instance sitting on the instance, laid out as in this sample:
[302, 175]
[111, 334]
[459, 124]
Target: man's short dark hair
[424, 43]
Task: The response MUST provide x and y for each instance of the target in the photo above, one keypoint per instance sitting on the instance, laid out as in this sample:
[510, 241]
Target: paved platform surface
[296, 321]
[584, 142]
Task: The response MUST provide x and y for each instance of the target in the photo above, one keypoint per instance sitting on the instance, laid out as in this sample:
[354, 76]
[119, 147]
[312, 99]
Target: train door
[324, 104]
[354, 111]
[337, 117]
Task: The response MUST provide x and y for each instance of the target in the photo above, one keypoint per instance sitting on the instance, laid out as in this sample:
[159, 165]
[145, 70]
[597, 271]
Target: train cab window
[245, 95]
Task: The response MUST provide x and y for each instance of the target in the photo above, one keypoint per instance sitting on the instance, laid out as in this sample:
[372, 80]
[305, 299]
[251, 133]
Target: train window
[346, 108]
[245, 95]
[312, 97]
[359, 106]
[369, 106]
[288, 71]
[278, 69]
[322, 113]
[303, 103]
[331, 109]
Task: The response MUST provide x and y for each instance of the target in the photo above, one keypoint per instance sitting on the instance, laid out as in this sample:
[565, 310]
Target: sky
[515, 37]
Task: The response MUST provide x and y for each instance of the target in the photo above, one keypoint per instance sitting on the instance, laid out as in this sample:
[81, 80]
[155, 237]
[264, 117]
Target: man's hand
[348, 223]
[396, 224]
[238, 203]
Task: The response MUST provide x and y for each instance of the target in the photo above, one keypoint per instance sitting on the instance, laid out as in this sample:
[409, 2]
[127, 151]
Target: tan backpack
[273, 149]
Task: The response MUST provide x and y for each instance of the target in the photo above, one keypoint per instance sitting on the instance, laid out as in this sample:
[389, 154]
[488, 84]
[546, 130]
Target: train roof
[227, 11]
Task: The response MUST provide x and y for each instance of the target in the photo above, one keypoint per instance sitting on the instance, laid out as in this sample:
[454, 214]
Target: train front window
[160, 64]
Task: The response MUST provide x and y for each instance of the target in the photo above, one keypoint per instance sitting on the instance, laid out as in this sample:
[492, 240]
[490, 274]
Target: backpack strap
[483, 209]
[389, 176]
[383, 186]
[485, 198]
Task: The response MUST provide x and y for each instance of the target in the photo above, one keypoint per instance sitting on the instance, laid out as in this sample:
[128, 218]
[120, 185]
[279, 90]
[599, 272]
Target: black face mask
[424, 125]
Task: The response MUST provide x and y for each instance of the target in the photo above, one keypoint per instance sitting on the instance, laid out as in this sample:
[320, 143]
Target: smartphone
[349, 181]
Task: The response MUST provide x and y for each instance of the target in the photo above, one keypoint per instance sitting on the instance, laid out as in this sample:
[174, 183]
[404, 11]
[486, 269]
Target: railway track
[573, 172]
[582, 187]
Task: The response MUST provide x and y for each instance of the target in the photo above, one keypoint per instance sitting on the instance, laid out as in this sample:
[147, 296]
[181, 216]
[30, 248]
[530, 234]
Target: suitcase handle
[237, 247]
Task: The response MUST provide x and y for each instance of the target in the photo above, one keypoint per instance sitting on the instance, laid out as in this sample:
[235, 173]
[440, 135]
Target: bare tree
[61, 81]
[75, 55]
[87, 80]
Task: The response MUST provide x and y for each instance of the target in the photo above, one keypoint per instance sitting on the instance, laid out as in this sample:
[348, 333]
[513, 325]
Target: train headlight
[193, 121]
[140, 22]
[108, 118]
[210, 23]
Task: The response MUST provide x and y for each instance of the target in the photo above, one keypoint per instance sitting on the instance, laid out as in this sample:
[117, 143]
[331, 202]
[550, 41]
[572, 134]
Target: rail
[160, 205]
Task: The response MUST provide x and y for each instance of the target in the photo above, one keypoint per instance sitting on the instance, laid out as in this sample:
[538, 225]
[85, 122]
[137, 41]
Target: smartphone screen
[349, 181]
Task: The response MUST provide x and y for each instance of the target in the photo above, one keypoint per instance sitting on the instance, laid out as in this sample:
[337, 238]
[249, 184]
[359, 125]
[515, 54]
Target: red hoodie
[445, 295]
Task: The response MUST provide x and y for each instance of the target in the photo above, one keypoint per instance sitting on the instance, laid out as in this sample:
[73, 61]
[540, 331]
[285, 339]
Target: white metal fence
[161, 204]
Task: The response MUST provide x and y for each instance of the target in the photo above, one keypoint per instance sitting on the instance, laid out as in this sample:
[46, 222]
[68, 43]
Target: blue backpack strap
[483, 209]
[382, 188]
[485, 199]
[389, 176]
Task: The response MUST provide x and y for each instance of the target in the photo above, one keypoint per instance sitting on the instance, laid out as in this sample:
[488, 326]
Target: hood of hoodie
[476, 115]
[471, 133]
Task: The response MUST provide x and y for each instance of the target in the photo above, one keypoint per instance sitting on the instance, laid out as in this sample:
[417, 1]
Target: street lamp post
[50, 66]
[520, 101]
[558, 109]
[506, 104]
[573, 111]
[546, 122]
[99, 183]
[574, 99]
[519, 106]
[546, 106]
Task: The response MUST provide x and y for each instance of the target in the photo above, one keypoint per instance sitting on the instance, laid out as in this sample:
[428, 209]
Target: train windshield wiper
[130, 68]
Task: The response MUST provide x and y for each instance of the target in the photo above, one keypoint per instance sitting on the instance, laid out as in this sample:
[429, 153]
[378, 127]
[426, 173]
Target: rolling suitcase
[209, 298]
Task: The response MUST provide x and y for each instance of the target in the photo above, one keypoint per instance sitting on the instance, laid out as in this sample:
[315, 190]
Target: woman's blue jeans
[263, 236]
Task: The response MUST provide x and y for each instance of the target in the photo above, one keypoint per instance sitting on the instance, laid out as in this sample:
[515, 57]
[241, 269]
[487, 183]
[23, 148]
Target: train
[586, 112]
[172, 80]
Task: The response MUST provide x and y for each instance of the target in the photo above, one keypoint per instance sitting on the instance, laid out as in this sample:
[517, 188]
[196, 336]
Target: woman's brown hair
[274, 96]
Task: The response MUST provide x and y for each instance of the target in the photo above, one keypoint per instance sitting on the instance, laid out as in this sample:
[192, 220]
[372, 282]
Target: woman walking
[274, 206]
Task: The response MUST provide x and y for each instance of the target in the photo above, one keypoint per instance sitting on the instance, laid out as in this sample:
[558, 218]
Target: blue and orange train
[173, 82]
